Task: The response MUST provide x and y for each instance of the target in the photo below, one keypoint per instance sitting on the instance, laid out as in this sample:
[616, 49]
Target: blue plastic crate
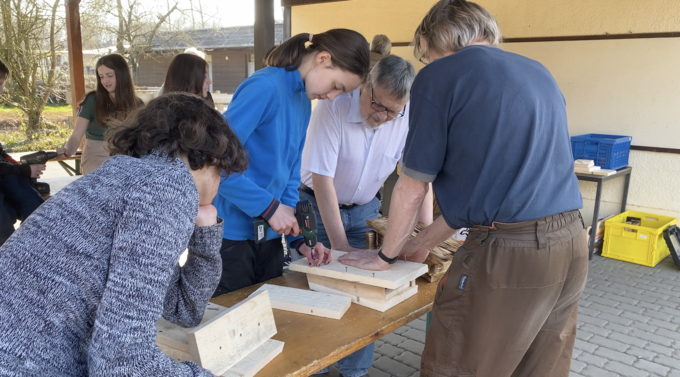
[608, 151]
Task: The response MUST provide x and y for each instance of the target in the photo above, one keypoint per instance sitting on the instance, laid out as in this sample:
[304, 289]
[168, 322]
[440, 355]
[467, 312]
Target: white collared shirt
[338, 145]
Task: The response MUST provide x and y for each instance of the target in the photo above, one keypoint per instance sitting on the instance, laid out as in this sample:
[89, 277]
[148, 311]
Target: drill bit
[285, 245]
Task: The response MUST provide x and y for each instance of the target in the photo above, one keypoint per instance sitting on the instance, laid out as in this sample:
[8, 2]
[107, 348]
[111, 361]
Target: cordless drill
[39, 158]
[306, 219]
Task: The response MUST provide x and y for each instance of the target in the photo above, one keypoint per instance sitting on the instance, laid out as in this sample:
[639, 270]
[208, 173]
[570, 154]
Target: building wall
[227, 74]
[604, 94]
[152, 70]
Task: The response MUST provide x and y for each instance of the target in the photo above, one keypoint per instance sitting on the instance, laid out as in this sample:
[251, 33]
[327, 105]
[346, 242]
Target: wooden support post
[264, 30]
[75, 53]
[286, 23]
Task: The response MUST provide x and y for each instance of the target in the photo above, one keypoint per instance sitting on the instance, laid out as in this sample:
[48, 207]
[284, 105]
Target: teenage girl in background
[188, 73]
[111, 102]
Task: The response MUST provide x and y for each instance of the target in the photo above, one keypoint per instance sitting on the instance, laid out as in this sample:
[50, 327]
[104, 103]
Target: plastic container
[608, 151]
[641, 244]
[672, 237]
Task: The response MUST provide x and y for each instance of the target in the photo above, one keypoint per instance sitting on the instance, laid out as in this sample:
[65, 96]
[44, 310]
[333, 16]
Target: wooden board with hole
[369, 292]
[306, 302]
[396, 296]
[221, 342]
[399, 274]
[256, 360]
[172, 339]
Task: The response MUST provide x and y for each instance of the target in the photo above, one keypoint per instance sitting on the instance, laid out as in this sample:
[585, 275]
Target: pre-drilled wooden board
[370, 292]
[256, 360]
[397, 297]
[399, 274]
[306, 302]
[221, 342]
[172, 338]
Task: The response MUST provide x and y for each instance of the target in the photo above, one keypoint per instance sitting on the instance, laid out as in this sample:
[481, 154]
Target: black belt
[308, 190]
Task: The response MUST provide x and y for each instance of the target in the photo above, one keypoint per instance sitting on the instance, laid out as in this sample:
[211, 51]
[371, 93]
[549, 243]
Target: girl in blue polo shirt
[270, 113]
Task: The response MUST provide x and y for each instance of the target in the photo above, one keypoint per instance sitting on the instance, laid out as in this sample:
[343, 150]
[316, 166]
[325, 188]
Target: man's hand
[207, 215]
[323, 254]
[414, 253]
[37, 170]
[366, 260]
[283, 221]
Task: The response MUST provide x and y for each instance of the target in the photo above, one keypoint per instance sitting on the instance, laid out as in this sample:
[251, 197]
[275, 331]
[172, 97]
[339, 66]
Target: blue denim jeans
[354, 222]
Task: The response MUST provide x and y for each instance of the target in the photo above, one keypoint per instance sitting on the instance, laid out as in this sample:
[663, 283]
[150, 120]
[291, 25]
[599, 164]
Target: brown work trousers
[508, 304]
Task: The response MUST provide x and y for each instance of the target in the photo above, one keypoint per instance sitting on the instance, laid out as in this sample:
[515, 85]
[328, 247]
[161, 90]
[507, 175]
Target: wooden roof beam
[75, 53]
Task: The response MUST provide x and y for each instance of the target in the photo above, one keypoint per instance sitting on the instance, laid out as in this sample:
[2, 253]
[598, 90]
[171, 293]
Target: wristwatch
[385, 258]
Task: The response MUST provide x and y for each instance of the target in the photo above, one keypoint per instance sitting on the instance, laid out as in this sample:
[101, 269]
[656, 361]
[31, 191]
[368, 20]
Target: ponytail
[348, 49]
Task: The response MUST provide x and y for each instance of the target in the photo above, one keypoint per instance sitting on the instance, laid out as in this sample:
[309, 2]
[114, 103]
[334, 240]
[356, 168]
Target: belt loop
[484, 234]
[541, 230]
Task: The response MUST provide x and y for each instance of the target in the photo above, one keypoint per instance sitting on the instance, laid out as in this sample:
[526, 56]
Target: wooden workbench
[312, 343]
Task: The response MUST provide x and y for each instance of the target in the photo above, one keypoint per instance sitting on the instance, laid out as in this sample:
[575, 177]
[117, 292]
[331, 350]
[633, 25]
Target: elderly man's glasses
[391, 114]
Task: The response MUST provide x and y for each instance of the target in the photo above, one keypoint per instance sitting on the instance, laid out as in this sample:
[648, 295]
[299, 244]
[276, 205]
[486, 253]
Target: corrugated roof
[239, 36]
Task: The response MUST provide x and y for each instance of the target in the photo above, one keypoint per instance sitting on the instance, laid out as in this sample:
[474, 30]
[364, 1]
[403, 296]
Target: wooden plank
[399, 274]
[256, 360]
[397, 297]
[292, 3]
[306, 302]
[221, 342]
[313, 342]
[352, 288]
[172, 338]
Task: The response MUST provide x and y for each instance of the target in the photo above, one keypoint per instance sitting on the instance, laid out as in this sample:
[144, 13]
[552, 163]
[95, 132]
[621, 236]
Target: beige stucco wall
[517, 19]
[632, 85]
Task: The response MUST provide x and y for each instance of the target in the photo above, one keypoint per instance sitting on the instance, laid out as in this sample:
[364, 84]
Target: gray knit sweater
[84, 280]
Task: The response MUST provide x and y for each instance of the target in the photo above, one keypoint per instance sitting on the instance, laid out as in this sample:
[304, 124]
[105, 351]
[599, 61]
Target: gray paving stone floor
[629, 326]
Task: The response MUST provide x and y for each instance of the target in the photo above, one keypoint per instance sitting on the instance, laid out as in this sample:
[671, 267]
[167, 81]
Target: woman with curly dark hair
[87, 276]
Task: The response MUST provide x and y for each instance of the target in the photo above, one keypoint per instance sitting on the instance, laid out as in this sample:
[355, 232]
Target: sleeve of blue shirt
[427, 140]
[251, 104]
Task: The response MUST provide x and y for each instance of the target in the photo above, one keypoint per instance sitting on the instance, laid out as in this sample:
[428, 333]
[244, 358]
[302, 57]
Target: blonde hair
[381, 44]
[452, 25]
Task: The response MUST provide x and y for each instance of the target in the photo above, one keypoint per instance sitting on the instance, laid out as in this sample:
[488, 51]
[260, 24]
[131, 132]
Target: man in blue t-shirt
[488, 128]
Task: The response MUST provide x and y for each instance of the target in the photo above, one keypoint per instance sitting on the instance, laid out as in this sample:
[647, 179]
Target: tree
[133, 26]
[29, 45]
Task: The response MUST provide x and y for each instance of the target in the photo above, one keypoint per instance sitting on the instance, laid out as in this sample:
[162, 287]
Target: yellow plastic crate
[641, 244]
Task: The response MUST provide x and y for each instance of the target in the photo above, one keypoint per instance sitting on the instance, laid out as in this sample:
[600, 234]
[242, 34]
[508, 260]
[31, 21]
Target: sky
[227, 12]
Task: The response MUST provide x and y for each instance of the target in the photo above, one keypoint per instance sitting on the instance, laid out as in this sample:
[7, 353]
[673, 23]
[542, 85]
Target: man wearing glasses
[353, 144]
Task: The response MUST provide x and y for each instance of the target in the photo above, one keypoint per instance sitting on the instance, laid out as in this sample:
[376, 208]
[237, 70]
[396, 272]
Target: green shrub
[48, 140]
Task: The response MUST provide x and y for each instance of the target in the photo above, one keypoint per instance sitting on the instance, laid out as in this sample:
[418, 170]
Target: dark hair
[349, 51]
[179, 123]
[266, 56]
[126, 100]
[186, 74]
[4, 70]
